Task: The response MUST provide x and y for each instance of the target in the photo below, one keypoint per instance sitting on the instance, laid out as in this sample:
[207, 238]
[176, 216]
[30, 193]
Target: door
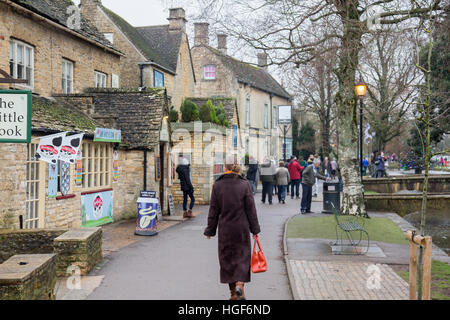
[162, 158]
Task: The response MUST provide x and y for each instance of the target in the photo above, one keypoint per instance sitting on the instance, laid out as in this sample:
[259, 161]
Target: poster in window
[79, 169]
[96, 208]
[52, 190]
[157, 168]
[64, 177]
[115, 166]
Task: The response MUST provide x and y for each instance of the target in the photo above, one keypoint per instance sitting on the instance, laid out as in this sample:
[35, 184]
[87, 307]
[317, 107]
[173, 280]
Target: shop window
[96, 165]
[35, 192]
[21, 61]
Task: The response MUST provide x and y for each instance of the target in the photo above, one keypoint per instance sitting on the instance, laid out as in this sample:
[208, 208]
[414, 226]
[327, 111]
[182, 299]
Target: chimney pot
[222, 43]
[262, 60]
[201, 36]
[177, 19]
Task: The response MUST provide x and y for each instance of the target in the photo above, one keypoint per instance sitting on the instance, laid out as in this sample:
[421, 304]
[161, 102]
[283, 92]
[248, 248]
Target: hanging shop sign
[49, 147]
[284, 114]
[115, 166]
[69, 148]
[15, 116]
[79, 169]
[96, 208]
[107, 135]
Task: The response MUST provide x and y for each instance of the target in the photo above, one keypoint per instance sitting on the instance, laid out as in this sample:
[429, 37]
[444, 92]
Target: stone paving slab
[344, 280]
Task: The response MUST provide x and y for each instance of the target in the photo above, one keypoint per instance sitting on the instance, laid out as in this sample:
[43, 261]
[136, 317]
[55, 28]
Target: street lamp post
[361, 89]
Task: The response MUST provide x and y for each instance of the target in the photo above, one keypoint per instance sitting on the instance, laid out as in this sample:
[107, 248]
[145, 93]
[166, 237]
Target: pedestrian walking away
[232, 211]
[267, 176]
[184, 175]
[308, 180]
[251, 173]
[282, 177]
[295, 170]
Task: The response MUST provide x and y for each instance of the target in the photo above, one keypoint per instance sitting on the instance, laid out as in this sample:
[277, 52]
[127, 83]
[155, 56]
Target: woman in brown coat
[232, 208]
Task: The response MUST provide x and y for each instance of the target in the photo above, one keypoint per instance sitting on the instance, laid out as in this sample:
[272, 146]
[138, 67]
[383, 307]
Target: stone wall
[13, 242]
[51, 45]
[28, 277]
[394, 184]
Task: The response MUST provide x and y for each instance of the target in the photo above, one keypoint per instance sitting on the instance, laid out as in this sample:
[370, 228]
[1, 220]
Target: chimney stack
[201, 33]
[222, 43]
[177, 19]
[262, 60]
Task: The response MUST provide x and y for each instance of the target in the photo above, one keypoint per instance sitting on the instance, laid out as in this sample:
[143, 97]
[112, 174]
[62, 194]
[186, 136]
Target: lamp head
[360, 89]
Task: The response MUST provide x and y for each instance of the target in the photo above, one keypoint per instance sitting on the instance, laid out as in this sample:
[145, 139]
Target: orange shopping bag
[259, 263]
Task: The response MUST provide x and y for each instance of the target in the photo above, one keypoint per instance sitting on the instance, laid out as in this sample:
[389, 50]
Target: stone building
[71, 71]
[155, 56]
[256, 92]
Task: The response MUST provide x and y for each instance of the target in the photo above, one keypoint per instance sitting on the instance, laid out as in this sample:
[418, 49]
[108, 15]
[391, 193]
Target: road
[180, 263]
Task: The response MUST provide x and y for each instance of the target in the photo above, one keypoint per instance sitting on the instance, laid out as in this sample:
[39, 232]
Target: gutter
[61, 27]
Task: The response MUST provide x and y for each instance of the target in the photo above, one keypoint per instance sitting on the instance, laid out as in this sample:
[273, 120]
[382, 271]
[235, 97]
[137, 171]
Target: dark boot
[185, 214]
[189, 212]
[240, 290]
[233, 294]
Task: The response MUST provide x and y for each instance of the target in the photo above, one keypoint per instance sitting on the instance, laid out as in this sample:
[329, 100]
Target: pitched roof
[251, 75]
[148, 48]
[49, 114]
[166, 43]
[57, 11]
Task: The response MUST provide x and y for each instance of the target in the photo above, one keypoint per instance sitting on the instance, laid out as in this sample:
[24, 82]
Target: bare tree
[295, 32]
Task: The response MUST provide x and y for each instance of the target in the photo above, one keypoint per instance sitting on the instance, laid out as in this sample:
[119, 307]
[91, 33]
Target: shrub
[204, 113]
[173, 115]
[189, 111]
[221, 115]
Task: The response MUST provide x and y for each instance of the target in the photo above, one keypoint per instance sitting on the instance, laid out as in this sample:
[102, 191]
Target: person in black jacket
[184, 175]
[251, 173]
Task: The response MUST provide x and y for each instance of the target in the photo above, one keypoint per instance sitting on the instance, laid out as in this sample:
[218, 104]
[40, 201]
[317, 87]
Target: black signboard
[148, 194]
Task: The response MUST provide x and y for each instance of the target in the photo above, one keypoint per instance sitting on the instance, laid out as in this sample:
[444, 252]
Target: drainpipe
[141, 75]
[145, 170]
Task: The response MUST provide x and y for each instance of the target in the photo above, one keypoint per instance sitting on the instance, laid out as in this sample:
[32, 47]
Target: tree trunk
[346, 101]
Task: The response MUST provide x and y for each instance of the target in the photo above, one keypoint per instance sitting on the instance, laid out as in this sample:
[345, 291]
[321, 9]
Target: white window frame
[35, 190]
[206, 72]
[67, 76]
[28, 66]
[247, 111]
[97, 165]
[100, 79]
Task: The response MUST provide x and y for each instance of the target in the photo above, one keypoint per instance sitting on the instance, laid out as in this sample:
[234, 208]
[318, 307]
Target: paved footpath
[180, 263]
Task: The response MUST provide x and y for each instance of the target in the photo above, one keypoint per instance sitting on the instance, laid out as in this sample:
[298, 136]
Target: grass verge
[440, 280]
[379, 229]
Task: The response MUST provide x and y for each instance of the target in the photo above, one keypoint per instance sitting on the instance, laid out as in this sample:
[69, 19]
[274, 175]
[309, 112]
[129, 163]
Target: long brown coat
[232, 208]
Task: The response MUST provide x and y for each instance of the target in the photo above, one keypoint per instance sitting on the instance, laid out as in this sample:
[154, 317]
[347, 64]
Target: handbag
[259, 263]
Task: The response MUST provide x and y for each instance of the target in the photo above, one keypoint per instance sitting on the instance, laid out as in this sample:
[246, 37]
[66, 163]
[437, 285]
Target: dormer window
[209, 72]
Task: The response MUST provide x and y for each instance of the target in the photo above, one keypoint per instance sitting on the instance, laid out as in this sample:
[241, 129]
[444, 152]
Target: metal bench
[351, 224]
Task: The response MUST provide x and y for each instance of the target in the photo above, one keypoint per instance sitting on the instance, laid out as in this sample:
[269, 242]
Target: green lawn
[379, 229]
[440, 280]
[370, 192]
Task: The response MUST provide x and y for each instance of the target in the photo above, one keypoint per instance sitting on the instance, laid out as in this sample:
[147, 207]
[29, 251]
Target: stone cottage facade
[155, 56]
[62, 65]
[257, 93]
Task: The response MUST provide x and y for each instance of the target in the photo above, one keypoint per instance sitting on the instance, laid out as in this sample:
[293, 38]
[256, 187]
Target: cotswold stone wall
[436, 184]
[28, 277]
[14, 242]
[51, 45]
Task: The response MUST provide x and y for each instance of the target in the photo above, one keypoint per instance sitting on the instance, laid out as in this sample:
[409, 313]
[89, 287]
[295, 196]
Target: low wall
[405, 204]
[394, 184]
[33, 241]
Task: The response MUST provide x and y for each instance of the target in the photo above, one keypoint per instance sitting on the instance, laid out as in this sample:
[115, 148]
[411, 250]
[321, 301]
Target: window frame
[155, 72]
[97, 168]
[247, 111]
[67, 78]
[266, 116]
[274, 117]
[14, 63]
[206, 72]
[103, 76]
[35, 190]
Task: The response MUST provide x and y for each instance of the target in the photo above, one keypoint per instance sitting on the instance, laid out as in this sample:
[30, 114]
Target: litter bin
[331, 195]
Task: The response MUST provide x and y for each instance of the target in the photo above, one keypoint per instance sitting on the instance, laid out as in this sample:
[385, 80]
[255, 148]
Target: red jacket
[294, 170]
